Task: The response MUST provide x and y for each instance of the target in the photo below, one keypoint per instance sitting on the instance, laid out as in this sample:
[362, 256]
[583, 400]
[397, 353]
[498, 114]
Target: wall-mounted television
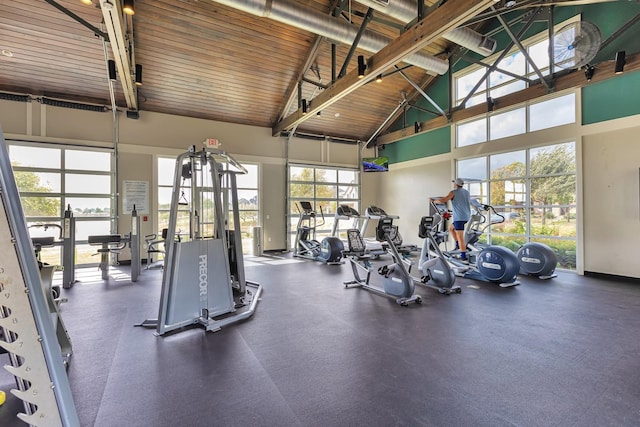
[375, 164]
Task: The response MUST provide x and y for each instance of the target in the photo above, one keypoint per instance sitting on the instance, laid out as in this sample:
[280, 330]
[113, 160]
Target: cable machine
[203, 280]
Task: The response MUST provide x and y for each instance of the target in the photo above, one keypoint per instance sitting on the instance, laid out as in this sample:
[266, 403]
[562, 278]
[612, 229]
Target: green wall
[611, 99]
[426, 144]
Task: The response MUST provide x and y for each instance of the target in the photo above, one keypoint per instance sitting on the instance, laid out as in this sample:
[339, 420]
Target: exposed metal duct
[291, 13]
[407, 10]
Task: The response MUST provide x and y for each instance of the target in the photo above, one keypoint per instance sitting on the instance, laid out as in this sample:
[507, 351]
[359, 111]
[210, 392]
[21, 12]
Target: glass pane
[41, 206]
[326, 175]
[551, 221]
[511, 242]
[301, 190]
[555, 112]
[326, 191]
[348, 192]
[36, 157]
[249, 179]
[166, 169]
[539, 53]
[164, 197]
[87, 160]
[508, 164]
[560, 190]
[86, 254]
[508, 192]
[87, 184]
[507, 124]
[51, 255]
[507, 89]
[348, 177]
[471, 133]
[553, 159]
[465, 83]
[514, 63]
[84, 229]
[38, 182]
[477, 99]
[478, 190]
[247, 199]
[89, 206]
[473, 169]
[300, 174]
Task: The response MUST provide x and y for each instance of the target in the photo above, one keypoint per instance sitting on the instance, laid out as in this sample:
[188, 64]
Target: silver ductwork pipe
[291, 13]
[406, 10]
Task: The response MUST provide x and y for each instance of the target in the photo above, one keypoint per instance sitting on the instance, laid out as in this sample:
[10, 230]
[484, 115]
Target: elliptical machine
[494, 264]
[535, 259]
[306, 245]
[397, 282]
[436, 271]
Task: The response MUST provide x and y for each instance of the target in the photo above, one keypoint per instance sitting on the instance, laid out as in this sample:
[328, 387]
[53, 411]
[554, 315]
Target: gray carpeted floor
[564, 352]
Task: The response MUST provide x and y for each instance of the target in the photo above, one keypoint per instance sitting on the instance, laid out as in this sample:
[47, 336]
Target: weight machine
[114, 243]
[203, 281]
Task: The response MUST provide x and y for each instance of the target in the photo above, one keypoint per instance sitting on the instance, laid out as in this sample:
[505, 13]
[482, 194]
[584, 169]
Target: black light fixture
[112, 69]
[362, 66]
[416, 127]
[490, 104]
[379, 78]
[304, 106]
[127, 7]
[620, 61]
[138, 74]
[589, 71]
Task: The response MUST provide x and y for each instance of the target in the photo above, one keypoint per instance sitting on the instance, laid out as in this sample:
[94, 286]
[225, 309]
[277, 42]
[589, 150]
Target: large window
[476, 83]
[53, 178]
[556, 111]
[326, 188]
[534, 190]
[247, 186]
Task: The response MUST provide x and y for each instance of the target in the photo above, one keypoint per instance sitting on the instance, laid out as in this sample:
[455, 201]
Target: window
[326, 188]
[535, 191]
[51, 179]
[556, 111]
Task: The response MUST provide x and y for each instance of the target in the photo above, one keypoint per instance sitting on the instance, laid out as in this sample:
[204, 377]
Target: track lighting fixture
[620, 61]
[589, 70]
[127, 7]
[362, 66]
[138, 74]
[112, 69]
[490, 104]
[379, 78]
[304, 106]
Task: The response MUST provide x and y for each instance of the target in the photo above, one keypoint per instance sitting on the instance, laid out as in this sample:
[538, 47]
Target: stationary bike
[306, 246]
[494, 264]
[397, 282]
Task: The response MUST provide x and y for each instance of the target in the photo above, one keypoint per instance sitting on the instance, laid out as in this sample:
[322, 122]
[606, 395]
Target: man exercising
[461, 206]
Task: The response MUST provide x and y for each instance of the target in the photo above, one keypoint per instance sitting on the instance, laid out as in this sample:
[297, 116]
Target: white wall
[141, 141]
[611, 164]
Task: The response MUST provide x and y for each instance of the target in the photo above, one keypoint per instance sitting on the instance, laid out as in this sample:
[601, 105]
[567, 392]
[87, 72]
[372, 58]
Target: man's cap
[459, 181]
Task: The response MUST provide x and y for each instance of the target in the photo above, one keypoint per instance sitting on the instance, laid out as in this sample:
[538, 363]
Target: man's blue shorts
[459, 225]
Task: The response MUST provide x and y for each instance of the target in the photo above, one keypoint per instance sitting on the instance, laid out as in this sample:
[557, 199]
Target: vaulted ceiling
[241, 61]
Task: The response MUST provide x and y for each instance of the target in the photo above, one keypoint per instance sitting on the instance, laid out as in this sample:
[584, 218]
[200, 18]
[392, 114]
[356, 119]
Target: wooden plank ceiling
[200, 59]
